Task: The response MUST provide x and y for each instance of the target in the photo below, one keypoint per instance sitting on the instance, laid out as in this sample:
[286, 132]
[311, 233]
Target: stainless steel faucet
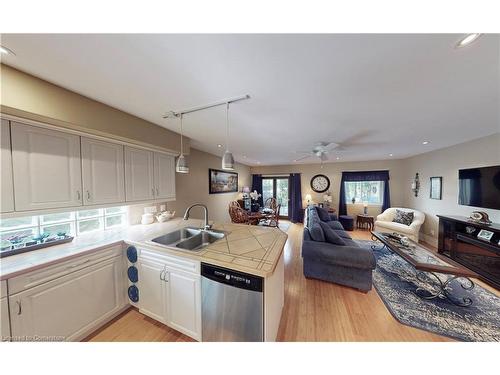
[186, 214]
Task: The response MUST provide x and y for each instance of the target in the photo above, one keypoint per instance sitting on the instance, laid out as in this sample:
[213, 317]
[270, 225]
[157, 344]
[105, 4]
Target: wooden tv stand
[458, 240]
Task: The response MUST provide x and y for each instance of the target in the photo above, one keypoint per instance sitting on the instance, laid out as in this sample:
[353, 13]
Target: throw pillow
[403, 217]
[316, 231]
[331, 236]
[323, 214]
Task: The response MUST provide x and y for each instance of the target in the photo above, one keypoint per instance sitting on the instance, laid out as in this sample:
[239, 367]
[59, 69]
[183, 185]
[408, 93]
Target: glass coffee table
[428, 266]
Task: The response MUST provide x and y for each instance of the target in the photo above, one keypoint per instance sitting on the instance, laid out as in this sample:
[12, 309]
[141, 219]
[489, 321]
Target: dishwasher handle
[233, 278]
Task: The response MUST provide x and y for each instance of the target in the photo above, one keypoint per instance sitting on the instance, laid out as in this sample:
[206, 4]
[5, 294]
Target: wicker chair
[272, 220]
[239, 215]
[271, 203]
[234, 204]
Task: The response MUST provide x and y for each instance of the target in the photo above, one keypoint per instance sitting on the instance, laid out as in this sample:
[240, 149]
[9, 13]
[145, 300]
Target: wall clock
[320, 183]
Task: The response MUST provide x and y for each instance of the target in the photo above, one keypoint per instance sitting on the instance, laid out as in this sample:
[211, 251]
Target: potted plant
[255, 197]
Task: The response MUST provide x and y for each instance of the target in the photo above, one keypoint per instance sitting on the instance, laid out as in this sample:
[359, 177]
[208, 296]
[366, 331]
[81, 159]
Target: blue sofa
[343, 262]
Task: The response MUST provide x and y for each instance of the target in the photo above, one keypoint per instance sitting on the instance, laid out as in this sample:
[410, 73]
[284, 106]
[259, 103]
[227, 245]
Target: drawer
[171, 261]
[46, 274]
[3, 288]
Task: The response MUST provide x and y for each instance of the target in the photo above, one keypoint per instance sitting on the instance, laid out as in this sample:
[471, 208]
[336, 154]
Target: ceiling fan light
[228, 161]
[182, 165]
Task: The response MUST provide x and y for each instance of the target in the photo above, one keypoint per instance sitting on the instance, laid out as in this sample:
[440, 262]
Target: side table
[364, 222]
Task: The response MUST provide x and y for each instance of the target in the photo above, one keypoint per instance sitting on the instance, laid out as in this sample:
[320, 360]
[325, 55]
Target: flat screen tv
[479, 187]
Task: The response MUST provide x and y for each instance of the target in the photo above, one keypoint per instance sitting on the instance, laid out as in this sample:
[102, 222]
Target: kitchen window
[22, 229]
[369, 192]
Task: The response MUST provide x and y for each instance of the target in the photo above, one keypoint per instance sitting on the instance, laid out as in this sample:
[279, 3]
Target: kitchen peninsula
[88, 279]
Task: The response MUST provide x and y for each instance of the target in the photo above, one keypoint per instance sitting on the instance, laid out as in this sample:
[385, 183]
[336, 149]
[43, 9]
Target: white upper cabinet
[164, 173]
[139, 179]
[103, 172]
[7, 190]
[46, 168]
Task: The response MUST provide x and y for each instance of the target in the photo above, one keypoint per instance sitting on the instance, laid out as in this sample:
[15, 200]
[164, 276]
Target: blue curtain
[257, 185]
[295, 213]
[364, 176]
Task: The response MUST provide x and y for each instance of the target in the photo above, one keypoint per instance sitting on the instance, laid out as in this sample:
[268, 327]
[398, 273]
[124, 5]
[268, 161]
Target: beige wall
[33, 98]
[446, 163]
[334, 173]
[193, 187]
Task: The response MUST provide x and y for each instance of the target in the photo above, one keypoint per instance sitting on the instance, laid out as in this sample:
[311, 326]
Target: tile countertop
[251, 249]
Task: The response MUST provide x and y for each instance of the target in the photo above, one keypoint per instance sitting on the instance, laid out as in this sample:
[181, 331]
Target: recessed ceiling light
[337, 158]
[219, 145]
[468, 39]
[244, 156]
[258, 162]
[391, 154]
[6, 51]
[425, 142]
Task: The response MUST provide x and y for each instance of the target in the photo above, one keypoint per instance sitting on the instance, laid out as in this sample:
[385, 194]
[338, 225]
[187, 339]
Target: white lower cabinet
[152, 289]
[4, 320]
[171, 294]
[70, 307]
[183, 305]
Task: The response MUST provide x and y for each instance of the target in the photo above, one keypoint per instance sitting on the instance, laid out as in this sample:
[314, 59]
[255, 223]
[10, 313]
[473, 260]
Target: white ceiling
[374, 94]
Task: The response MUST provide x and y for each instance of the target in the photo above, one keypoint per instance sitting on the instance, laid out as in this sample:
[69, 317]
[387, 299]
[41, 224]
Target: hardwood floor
[131, 325]
[314, 311]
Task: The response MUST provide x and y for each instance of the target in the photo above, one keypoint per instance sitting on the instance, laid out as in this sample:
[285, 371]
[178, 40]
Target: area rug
[395, 281]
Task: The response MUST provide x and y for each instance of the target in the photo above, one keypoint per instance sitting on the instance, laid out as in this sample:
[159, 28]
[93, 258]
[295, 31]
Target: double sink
[192, 239]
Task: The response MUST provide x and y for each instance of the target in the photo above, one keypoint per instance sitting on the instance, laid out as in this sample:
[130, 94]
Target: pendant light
[227, 158]
[182, 165]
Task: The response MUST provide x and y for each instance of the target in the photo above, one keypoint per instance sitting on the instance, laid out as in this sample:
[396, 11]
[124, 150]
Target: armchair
[384, 223]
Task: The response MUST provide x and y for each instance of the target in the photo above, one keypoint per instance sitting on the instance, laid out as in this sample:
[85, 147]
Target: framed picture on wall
[436, 187]
[222, 181]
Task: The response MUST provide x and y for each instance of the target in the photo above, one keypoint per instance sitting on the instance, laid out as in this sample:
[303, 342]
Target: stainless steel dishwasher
[232, 305]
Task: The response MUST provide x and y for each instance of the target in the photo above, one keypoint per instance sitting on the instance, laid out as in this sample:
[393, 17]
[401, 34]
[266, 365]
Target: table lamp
[308, 198]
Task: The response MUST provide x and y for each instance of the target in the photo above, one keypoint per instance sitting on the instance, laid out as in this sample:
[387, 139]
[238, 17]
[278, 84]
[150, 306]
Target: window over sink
[19, 230]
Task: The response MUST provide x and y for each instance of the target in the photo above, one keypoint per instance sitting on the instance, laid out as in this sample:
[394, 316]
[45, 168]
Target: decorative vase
[353, 200]
[255, 207]
[365, 210]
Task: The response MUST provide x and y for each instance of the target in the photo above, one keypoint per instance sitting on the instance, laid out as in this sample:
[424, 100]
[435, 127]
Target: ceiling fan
[319, 150]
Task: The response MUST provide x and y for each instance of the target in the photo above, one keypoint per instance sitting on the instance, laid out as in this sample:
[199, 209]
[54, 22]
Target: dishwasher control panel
[234, 278]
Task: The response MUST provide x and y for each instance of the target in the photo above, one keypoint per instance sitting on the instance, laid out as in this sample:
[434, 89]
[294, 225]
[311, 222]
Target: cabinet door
[7, 190]
[71, 306]
[164, 171]
[139, 181]
[184, 302]
[4, 320]
[151, 289]
[46, 166]
[103, 172]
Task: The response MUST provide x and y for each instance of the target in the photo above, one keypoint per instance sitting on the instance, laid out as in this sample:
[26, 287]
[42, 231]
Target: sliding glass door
[276, 187]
